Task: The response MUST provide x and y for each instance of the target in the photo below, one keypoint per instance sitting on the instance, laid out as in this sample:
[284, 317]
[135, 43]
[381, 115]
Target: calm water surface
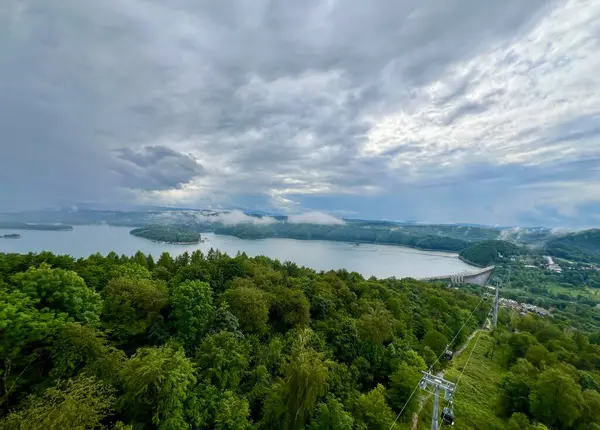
[379, 260]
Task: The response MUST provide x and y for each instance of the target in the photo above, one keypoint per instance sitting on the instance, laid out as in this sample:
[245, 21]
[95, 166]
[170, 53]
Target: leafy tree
[157, 384]
[403, 383]
[76, 346]
[555, 399]
[518, 421]
[372, 411]
[192, 310]
[290, 309]
[131, 270]
[25, 332]
[224, 320]
[590, 413]
[222, 359]
[60, 290]
[232, 413]
[79, 404]
[514, 394]
[436, 341]
[165, 260]
[131, 306]
[376, 325]
[293, 399]
[250, 306]
[332, 416]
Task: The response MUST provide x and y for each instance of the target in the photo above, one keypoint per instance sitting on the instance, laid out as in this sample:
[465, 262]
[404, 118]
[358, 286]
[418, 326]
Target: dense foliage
[581, 246]
[489, 252]
[167, 233]
[210, 341]
[552, 376]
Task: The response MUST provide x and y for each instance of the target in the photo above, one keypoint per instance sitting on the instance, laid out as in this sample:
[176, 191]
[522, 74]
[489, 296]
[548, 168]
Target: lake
[379, 260]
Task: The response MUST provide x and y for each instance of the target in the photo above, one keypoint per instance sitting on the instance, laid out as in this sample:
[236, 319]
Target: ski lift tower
[497, 283]
[433, 384]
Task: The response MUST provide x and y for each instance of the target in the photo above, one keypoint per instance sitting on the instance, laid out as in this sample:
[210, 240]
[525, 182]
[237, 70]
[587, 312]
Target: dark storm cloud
[156, 168]
[280, 100]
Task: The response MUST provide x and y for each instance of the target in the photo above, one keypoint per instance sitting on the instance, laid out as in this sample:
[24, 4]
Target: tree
[556, 400]
[222, 359]
[130, 270]
[232, 413]
[403, 382]
[332, 416]
[78, 404]
[141, 259]
[131, 306]
[250, 306]
[372, 411]
[518, 421]
[290, 308]
[514, 394]
[224, 320]
[436, 341]
[157, 383]
[590, 413]
[292, 400]
[306, 378]
[24, 333]
[76, 346]
[192, 310]
[376, 325]
[165, 260]
[60, 290]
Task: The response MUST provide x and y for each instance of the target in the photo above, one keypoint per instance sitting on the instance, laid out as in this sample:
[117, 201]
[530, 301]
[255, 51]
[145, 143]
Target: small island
[168, 234]
[11, 225]
[11, 236]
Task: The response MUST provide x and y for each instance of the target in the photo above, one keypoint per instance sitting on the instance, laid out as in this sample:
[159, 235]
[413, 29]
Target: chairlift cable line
[438, 359]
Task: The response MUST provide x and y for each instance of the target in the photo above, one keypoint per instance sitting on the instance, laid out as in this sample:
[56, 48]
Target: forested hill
[489, 252]
[581, 246]
[210, 341]
[427, 237]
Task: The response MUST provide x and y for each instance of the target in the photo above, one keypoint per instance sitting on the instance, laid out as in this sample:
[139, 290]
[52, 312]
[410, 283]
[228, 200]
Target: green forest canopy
[489, 252]
[581, 246]
[167, 233]
[210, 341]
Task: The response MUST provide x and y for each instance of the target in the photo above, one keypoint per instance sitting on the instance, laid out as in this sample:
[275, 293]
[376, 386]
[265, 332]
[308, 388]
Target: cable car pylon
[433, 384]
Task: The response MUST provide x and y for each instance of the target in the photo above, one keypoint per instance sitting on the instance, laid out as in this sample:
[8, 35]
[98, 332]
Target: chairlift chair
[448, 354]
[448, 415]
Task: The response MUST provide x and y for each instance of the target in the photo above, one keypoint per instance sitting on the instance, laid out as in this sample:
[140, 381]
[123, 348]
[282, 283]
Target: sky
[428, 110]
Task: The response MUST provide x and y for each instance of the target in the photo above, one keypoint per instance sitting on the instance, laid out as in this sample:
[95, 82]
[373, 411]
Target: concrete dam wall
[479, 277]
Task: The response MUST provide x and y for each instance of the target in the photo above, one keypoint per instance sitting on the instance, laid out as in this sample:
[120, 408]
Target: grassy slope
[475, 396]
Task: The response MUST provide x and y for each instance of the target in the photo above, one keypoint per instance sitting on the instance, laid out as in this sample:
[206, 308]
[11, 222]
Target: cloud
[315, 218]
[236, 217]
[457, 110]
[156, 168]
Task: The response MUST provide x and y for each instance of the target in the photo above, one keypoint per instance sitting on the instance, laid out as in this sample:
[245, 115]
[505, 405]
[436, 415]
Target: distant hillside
[11, 225]
[583, 246]
[429, 237]
[489, 252]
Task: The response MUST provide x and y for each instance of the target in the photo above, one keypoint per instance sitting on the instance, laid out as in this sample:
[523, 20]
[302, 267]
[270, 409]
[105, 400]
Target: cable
[405, 404]
[438, 359]
[457, 333]
[470, 354]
